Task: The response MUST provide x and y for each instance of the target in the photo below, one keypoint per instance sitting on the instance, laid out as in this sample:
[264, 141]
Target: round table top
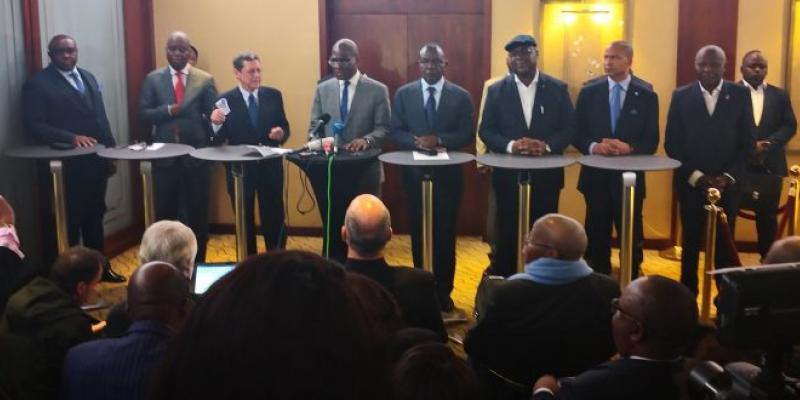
[636, 162]
[235, 153]
[513, 161]
[407, 158]
[167, 151]
[45, 152]
[304, 159]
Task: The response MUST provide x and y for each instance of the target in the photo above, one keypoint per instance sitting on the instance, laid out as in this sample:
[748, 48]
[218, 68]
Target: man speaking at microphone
[255, 116]
[358, 107]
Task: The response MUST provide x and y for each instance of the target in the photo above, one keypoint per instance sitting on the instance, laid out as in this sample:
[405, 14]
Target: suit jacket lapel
[723, 101]
[699, 102]
[358, 99]
[192, 87]
[511, 86]
[418, 105]
[629, 107]
[542, 93]
[166, 82]
[67, 88]
[444, 101]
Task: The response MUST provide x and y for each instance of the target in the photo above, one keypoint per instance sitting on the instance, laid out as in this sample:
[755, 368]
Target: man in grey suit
[358, 107]
[433, 113]
[176, 100]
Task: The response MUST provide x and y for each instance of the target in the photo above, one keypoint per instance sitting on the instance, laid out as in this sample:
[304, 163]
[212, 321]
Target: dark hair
[432, 372]
[283, 325]
[77, 264]
[57, 38]
[238, 61]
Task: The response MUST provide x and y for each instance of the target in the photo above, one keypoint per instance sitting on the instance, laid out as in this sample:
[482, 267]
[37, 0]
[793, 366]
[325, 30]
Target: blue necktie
[252, 109]
[430, 107]
[78, 82]
[343, 102]
[616, 98]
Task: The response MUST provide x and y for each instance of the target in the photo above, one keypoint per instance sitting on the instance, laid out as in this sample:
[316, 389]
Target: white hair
[710, 48]
[171, 242]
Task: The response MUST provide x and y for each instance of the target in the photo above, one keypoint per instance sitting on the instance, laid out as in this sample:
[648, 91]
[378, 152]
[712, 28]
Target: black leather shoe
[110, 276]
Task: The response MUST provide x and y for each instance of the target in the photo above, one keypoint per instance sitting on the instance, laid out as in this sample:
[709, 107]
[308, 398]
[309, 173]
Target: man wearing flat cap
[528, 113]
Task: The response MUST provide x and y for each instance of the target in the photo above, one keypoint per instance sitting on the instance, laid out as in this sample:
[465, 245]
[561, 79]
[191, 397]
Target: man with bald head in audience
[786, 250]
[120, 368]
[552, 318]
[366, 230]
[654, 322]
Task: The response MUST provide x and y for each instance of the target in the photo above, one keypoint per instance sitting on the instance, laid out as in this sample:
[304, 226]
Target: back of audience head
[367, 227]
[77, 271]
[555, 236]
[655, 317]
[158, 291]
[432, 372]
[283, 325]
[171, 242]
[786, 250]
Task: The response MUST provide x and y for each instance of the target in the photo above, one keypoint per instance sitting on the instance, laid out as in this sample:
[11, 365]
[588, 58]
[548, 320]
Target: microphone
[318, 125]
[314, 145]
[338, 128]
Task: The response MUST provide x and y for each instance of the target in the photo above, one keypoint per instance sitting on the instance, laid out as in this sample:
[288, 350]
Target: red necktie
[179, 87]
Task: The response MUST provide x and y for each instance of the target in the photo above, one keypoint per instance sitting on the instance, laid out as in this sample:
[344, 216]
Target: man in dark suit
[775, 125]
[63, 104]
[175, 100]
[433, 113]
[709, 130]
[366, 230]
[256, 118]
[121, 368]
[616, 116]
[527, 113]
[553, 318]
[358, 105]
[649, 344]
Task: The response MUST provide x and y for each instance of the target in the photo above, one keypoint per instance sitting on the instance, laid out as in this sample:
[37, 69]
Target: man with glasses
[530, 114]
[433, 113]
[358, 107]
[553, 318]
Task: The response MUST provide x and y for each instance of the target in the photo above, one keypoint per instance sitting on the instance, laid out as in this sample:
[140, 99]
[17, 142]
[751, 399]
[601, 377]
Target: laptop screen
[205, 274]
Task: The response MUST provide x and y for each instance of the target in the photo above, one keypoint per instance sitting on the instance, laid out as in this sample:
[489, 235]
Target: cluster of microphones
[317, 142]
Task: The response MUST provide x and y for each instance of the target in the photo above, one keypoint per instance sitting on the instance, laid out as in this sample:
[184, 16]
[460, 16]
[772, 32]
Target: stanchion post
[794, 187]
[427, 223]
[241, 228]
[146, 170]
[524, 217]
[57, 171]
[712, 211]
[626, 234]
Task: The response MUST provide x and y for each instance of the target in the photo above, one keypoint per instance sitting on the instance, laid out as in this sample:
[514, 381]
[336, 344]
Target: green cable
[328, 211]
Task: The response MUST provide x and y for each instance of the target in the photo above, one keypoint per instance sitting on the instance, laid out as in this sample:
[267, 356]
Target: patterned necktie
[252, 109]
[430, 107]
[78, 82]
[180, 88]
[343, 101]
[616, 98]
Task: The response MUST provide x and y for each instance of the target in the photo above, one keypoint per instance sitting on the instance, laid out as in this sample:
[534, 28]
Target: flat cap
[520, 41]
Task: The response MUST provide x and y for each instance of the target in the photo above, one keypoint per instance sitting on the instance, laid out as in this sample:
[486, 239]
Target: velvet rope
[725, 230]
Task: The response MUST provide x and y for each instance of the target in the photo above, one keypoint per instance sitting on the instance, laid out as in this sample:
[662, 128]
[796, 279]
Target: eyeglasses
[340, 61]
[615, 307]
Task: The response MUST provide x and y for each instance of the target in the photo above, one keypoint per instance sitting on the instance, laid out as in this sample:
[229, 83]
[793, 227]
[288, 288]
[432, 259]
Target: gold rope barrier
[713, 211]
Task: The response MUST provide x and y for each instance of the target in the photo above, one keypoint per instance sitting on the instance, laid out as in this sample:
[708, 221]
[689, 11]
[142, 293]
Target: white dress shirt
[69, 79]
[437, 95]
[611, 83]
[246, 96]
[527, 96]
[351, 90]
[184, 71]
[711, 97]
[757, 97]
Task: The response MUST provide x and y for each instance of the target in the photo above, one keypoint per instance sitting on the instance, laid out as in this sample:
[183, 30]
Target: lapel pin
[634, 112]
[727, 97]
[541, 110]
[636, 93]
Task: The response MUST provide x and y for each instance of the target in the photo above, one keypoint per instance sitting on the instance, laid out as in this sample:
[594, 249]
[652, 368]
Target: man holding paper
[434, 114]
[251, 114]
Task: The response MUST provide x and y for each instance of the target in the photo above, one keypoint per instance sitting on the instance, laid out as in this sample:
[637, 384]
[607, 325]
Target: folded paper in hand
[222, 104]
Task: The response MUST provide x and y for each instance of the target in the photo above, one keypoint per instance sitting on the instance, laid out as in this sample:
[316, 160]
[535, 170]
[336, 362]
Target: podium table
[406, 159]
[55, 157]
[236, 155]
[145, 156]
[346, 169]
[628, 165]
[524, 164]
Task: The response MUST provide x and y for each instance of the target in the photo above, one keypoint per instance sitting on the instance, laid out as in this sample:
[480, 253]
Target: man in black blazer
[775, 124]
[256, 118]
[433, 113]
[649, 344]
[616, 116]
[63, 104]
[527, 113]
[366, 230]
[709, 130]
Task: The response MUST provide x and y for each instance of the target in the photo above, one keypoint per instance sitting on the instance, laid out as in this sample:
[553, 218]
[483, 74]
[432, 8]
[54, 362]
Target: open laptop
[205, 274]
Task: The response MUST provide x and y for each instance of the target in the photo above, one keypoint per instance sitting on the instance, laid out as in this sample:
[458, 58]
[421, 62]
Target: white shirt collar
[713, 91]
[185, 70]
[438, 85]
[353, 80]
[624, 83]
[763, 85]
[533, 82]
[246, 94]
[66, 73]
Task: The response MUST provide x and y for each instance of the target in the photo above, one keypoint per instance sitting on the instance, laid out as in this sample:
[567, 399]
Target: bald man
[175, 101]
[121, 368]
[650, 346]
[786, 250]
[366, 230]
[552, 318]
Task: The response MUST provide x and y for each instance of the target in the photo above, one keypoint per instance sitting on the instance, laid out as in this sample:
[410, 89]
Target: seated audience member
[11, 255]
[283, 325]
[786, 250]
[432, 372]
[121, 368]
[367, 228]
[170, 242]
[654, 321]
[43, 320]
[554, 318]
[378, 304]
[407, 338]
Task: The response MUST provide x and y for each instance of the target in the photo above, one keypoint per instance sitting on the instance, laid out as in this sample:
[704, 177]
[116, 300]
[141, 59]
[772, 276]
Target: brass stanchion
[524, 217]
[427, 223]
[794, 188]
[146, 170]
[711, 240]
[237, 170]
[57, 170]
[626, 234]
